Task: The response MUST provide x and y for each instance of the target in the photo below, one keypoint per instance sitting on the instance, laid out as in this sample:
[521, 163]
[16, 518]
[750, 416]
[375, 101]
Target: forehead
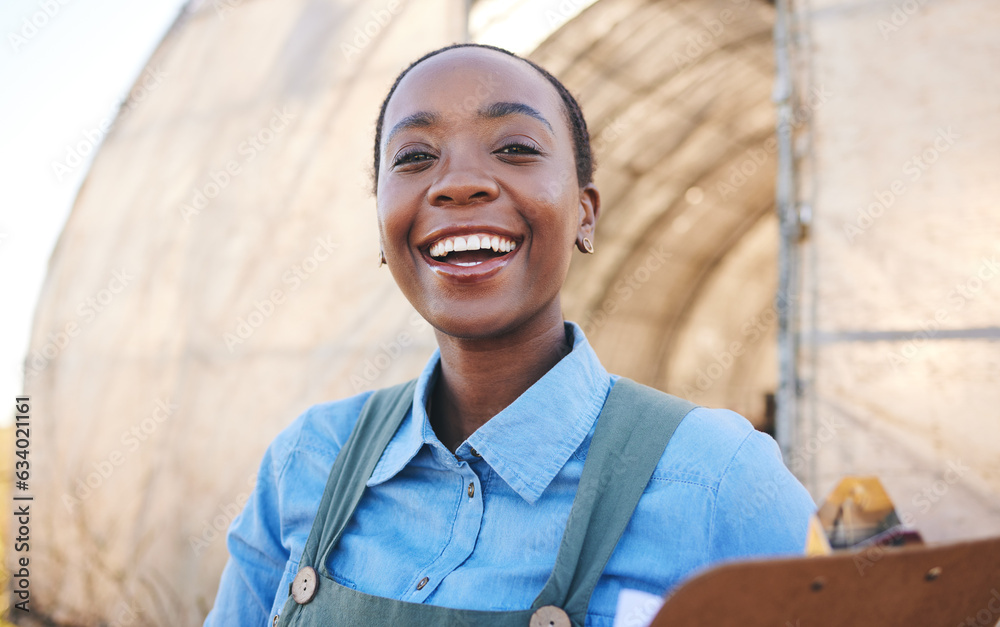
[458, 82]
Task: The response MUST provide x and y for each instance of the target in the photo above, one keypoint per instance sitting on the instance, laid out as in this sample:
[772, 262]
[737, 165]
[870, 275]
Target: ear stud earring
[381, 258]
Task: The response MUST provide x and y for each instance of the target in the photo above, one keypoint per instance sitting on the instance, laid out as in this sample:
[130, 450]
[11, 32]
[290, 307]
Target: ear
[590, 208]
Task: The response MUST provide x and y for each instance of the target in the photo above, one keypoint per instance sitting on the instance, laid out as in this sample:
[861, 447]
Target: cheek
[552, 209]
[394, 220]
[553, 232]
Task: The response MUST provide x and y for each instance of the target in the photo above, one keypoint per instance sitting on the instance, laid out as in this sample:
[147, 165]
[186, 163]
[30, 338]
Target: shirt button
[422, 583]
[550, 616]
[304, 586]
[474, 452]
[472, 489]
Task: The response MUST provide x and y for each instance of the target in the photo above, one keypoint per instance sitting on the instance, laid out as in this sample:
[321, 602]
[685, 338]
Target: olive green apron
[631, 434]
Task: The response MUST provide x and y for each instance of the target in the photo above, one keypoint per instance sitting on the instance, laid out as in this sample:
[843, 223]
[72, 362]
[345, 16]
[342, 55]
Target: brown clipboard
[936, 586]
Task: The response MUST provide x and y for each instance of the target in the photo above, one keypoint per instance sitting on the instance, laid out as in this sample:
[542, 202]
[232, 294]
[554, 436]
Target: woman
[451, 496]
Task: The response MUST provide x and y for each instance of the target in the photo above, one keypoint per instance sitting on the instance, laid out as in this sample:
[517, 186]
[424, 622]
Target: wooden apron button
[304, 586]
[550, 616]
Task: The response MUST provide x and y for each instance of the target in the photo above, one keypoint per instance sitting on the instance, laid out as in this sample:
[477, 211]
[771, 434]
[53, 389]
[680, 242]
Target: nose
[462, 184]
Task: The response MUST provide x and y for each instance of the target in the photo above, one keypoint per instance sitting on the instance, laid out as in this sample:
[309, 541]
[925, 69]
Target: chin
[473, 328]
[474, 323]
[488, 318]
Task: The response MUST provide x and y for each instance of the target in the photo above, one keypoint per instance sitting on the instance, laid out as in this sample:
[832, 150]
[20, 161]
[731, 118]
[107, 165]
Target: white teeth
[478, 241]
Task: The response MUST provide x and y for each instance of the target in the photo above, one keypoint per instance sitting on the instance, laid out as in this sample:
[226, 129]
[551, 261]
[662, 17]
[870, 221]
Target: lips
[473, 255]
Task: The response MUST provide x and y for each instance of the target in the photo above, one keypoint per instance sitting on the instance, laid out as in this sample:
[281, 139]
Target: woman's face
[476, 146]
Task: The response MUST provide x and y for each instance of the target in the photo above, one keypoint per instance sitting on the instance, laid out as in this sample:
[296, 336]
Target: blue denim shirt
[484, 524]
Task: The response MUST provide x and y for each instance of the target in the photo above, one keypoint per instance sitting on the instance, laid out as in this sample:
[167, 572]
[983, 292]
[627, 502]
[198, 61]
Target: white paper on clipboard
[636, 608]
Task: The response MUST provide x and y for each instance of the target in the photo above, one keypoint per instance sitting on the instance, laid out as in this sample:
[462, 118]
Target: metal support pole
[786, 414]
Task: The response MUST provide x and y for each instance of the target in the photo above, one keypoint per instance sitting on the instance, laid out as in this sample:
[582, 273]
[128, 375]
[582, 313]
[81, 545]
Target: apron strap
[631, 434]
[381, 416]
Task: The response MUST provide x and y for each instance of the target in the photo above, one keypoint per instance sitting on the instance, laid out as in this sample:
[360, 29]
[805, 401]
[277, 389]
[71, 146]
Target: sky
[65, 65]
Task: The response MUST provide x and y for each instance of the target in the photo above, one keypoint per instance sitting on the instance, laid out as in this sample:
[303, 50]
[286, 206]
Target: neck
[479, 377]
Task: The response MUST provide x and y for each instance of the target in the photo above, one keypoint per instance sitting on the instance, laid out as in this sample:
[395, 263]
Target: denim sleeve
[256, 555]
[266, 539]
[761, 508]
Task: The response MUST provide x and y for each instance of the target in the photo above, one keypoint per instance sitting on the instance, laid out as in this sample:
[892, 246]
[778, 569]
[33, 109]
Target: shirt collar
[527, 443]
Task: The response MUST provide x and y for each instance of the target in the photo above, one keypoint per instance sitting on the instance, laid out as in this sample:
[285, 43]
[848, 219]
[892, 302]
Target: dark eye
[517, 148]
[412, 156]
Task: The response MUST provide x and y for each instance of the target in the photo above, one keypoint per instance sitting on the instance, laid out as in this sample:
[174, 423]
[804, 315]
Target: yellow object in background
[859, 512]
[816, 541]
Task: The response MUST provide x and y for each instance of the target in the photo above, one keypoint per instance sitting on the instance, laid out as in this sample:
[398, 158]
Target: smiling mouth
[471, 250]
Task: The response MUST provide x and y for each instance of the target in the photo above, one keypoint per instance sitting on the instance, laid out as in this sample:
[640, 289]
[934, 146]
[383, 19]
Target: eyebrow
[420, 119]
[503, 109]
[423, 119]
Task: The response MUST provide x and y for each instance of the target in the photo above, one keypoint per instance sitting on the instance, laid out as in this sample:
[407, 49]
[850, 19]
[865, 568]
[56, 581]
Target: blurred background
[799, 223]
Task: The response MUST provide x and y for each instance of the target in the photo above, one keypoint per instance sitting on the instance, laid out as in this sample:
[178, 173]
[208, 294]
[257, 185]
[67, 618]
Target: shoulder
[719, 491]
[705, 444]
[319, 432]
[751, 503]
[737, 467]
